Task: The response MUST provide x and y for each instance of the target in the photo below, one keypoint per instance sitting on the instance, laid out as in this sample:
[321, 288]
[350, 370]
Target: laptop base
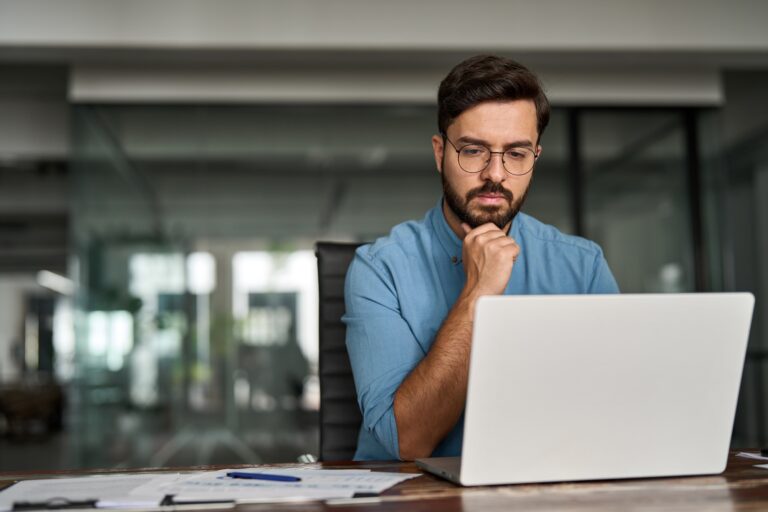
[445, 467]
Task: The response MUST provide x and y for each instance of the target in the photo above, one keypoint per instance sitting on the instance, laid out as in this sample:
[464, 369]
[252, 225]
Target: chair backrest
[340, 416]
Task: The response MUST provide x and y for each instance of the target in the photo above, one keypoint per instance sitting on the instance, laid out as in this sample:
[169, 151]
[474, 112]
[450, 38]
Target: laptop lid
[602, 386]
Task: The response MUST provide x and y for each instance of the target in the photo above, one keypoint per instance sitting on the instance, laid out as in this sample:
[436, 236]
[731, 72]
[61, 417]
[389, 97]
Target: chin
[496, 215]
[488, 214]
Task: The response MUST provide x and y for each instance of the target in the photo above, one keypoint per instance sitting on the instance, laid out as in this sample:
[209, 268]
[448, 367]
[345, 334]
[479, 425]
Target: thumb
[466, 228]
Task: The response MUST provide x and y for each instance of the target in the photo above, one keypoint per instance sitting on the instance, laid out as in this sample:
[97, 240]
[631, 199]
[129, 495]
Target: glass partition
[742, 190]
[636, 197]
[194, 226]
[196, 309]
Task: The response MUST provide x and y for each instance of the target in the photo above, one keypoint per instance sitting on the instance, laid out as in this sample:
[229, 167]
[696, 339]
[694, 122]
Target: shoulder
[577, 264]
[535, 231]
[403, 243]
[376, 266]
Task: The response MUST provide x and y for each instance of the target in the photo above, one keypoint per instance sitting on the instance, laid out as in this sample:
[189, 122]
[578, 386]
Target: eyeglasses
[475, 158]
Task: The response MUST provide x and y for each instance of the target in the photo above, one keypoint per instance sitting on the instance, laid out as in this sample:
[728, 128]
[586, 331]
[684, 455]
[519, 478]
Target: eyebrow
[523, 143]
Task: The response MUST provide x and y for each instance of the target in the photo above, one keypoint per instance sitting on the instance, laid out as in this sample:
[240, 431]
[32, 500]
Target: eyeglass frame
[491, 153]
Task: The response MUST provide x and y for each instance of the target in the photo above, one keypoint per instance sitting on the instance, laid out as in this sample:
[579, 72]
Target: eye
[516, 154]
[473, 151]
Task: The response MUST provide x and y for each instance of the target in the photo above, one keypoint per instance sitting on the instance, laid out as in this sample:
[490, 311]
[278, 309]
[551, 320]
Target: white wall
[595, 52]
[565, 25]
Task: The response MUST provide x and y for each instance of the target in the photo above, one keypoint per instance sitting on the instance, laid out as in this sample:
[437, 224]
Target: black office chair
[340, 416]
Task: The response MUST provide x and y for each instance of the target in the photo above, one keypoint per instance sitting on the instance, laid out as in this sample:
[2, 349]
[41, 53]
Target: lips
[491, 200]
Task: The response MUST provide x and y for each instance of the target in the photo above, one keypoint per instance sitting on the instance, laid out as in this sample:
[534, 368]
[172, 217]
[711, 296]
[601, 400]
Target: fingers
[495, 242]
[507, 246]
[483, 234]
[485, 228]
[489, 256]
[489, 236]
[514, 250]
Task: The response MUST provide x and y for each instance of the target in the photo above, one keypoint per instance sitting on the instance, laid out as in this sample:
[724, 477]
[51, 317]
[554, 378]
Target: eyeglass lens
[475, 158]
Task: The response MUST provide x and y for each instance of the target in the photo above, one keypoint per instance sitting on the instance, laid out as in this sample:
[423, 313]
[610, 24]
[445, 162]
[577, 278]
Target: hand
[489, 255]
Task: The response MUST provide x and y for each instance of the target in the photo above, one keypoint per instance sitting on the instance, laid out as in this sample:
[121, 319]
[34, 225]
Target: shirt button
[454, 259]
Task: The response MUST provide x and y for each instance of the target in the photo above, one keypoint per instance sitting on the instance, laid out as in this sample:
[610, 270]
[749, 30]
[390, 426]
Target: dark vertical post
[693, 168]
[576, 174]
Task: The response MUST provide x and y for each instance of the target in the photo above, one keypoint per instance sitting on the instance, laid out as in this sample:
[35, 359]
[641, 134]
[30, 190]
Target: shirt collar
[448, 239]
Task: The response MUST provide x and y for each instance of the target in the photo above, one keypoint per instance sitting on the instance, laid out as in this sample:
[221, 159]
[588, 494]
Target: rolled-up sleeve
[382, 347]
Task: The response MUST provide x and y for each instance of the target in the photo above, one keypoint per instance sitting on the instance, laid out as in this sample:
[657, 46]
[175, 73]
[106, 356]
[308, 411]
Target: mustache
[490, 188]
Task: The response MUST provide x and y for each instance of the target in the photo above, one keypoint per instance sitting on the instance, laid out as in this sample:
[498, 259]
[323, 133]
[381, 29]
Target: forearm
[431, 399]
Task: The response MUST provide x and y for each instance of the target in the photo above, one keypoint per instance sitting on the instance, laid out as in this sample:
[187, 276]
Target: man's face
[492, 195]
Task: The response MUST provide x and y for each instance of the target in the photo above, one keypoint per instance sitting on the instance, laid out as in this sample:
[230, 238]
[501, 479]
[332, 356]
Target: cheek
[461, 184]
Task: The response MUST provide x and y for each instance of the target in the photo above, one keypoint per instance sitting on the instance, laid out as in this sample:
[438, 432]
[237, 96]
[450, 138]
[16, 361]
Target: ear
[539, 149]
[438, 148]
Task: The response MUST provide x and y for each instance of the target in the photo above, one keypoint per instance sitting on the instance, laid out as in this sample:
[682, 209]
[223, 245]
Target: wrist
[475, 291]
[468, 298]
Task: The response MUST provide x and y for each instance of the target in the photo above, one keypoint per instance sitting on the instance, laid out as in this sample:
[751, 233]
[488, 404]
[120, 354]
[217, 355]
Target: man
[410, 296]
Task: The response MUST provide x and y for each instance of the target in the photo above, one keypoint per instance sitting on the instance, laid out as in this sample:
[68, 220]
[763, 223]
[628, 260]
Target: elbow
[411, 449]
[413, 437]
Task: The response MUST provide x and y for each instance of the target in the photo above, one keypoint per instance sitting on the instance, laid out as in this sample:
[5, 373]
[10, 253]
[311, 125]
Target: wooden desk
[741, 487]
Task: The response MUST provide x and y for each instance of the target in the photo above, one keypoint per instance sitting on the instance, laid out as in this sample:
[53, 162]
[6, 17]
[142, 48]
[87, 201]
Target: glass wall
[551, 197]
[197, 307]
[636, 197]
[196, 301]
[743, 219]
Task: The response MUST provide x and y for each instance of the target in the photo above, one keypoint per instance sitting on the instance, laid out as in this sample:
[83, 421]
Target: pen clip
[54, 504]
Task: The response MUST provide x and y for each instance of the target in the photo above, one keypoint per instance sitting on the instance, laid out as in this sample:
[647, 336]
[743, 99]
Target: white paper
[250, 495]
[372, 482]
[357, 481]
[114, 490]
[127, 503]
[315, 484]
[148, 490]
[749, 455]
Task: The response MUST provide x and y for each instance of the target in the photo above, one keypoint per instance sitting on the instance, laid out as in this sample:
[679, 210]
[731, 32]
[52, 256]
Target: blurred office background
[166, 167]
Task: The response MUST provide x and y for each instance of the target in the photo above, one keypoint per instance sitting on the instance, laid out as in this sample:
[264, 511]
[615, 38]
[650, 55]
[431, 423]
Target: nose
[494, 171]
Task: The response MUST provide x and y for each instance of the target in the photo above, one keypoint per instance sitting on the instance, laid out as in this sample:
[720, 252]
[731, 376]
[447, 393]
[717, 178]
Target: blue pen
[263, 476]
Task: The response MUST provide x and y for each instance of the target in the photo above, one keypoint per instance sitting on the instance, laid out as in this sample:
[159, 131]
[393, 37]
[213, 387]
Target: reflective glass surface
[195, 304]
[636, 203]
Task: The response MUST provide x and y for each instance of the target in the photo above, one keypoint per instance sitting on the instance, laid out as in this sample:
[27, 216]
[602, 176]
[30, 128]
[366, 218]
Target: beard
[482, 214]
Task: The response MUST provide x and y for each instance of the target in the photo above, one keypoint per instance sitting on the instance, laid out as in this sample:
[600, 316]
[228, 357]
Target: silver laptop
[592, 387]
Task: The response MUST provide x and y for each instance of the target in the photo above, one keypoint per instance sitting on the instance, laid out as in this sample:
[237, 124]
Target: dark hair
[489, 78]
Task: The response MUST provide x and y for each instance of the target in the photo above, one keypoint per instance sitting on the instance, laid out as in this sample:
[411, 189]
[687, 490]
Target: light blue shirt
[400, 289]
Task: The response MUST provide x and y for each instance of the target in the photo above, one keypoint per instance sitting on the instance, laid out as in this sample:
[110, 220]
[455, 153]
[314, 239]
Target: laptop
[592, 387]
